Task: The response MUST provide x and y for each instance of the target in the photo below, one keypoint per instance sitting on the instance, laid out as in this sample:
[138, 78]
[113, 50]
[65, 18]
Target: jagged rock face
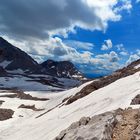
[61, 69]
[96, 128]
[12, 58]
[115, 125]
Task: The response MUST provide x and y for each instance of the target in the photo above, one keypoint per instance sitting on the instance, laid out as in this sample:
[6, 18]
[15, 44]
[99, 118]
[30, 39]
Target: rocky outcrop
[1, 102]
[95, 128]
[116, 125]
[5, 114]
[102, 82]
[32, 107]
[136, 100]
[21, 95]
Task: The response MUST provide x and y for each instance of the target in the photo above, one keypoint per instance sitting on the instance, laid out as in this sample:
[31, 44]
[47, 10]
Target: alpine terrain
[19, 70]
[53, 100]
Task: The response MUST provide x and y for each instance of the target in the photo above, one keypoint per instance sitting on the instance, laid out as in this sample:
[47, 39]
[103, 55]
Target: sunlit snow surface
[116, 95]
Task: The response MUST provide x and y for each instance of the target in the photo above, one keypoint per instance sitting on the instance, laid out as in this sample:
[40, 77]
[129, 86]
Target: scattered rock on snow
[136, 100]
[1, 102]
[5, 114]
[22, 95]
[32, 107]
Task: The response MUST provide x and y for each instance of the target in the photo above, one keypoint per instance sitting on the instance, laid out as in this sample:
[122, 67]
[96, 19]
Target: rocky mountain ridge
[16, 63]
[12, 58]
[104, 81]
[64, 69]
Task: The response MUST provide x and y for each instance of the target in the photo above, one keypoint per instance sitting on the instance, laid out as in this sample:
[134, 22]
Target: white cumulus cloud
[107, 45]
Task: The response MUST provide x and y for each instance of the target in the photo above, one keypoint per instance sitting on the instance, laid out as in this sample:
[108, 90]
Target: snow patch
[5, 63]
[23, 83]
[19, 71]
[138, 66]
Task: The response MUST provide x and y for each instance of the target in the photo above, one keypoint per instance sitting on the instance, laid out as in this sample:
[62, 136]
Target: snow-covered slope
[23, 83]
[47, 124]
[36, 82]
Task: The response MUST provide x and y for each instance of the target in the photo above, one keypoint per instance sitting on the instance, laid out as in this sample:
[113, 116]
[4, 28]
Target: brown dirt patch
[124, 129]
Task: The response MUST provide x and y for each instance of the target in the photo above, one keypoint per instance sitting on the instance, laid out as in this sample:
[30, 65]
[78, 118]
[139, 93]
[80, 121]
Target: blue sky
[125, 32]
[98, 36]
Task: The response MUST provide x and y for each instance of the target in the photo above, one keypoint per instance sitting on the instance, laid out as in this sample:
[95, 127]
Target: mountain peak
[13, 56]
[61, 69]
[3, 41]
[1, 38]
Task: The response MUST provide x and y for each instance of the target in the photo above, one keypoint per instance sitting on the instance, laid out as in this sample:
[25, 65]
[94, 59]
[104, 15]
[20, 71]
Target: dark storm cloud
[34, 18]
